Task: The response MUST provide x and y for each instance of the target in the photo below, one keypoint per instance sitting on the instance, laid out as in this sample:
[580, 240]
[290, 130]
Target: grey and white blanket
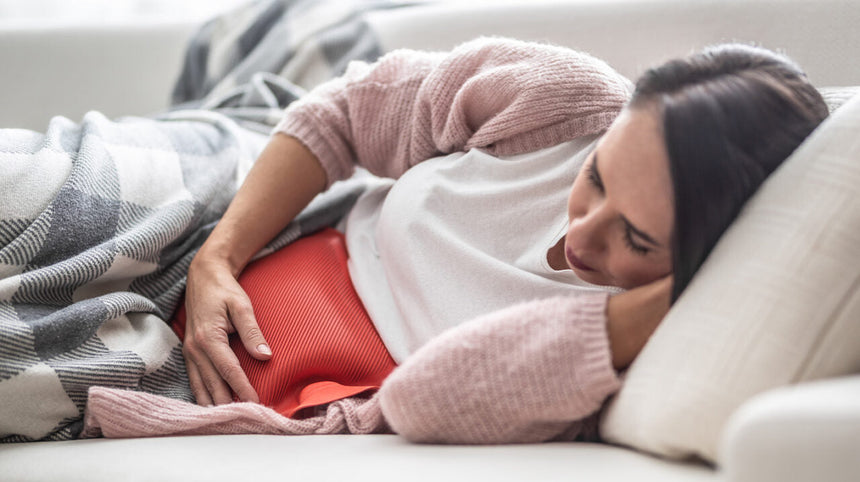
[100, 219]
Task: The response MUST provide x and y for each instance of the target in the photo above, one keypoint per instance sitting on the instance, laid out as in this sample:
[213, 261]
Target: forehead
[634, 167]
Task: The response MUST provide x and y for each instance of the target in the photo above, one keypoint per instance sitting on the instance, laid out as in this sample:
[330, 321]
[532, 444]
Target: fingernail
[264, 349]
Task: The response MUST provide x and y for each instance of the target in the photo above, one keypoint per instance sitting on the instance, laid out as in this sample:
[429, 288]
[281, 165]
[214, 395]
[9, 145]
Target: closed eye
[633, 245]
[593, 174]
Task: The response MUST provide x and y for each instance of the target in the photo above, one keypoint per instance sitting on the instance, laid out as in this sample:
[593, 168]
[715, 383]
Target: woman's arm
[523, 374]
[281, 183]
[529, 373]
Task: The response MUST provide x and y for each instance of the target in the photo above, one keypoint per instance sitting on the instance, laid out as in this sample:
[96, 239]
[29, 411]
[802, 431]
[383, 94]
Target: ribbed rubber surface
[325, 346]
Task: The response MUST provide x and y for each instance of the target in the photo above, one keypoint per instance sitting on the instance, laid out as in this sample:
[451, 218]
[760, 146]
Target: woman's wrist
[633, 316]
[217, 255]
[214, 254]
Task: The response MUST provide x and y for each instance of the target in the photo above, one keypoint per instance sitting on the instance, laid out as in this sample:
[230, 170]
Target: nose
[587, 233]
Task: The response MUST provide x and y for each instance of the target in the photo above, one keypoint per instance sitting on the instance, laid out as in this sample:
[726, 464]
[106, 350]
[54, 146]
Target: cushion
[776, 303]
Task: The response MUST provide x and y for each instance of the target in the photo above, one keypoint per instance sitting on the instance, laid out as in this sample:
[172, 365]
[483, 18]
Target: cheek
[630, 270]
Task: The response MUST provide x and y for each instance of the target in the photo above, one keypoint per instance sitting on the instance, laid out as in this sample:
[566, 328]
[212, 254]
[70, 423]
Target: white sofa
[805, 432]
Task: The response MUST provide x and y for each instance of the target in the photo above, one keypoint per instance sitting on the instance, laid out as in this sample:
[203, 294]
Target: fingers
[201, 394]
[215, 372]
[242, 316]
[221, 372]
[206, 383]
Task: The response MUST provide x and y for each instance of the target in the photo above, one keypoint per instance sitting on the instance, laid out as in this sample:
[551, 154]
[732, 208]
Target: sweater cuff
[597, 377]
[314, 133]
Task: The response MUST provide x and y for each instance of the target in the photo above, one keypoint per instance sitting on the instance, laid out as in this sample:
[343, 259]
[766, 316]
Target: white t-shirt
[460, 236]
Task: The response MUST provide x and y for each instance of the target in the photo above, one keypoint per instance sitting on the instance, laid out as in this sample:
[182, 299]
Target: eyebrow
[638, 232]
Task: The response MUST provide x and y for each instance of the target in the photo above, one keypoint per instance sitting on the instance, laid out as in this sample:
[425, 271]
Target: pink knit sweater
[527, 373]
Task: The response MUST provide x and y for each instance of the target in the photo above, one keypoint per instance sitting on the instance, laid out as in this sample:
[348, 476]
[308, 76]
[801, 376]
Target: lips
[576, 262]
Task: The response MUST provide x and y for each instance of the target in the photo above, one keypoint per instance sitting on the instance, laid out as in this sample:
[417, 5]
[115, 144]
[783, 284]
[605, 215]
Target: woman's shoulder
[539, 57]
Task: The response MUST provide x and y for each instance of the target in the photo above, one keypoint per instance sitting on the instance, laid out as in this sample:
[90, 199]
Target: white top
[460, 236]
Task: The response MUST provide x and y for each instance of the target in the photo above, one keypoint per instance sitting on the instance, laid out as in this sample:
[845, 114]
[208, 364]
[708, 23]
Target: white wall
[66, 57]
[70, 12]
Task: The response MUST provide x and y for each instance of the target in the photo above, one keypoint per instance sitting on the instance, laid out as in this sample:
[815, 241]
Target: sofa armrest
[804, 432]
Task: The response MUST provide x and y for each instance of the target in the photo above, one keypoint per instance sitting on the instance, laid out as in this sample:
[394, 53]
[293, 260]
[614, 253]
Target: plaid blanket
[100, 219]
[268, 53]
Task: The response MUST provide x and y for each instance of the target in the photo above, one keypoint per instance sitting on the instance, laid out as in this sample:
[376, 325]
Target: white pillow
[777, 302]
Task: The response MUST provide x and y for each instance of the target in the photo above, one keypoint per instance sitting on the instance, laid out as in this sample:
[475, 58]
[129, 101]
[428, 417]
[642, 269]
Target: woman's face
[621, 206]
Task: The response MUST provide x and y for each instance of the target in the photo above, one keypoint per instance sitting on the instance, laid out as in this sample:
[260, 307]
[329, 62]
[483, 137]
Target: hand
[633, 316]
[282, 182]
[217, 306]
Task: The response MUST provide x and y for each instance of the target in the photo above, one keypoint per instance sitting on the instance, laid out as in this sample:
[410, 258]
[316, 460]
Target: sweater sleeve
[528, 373]
[504, 95]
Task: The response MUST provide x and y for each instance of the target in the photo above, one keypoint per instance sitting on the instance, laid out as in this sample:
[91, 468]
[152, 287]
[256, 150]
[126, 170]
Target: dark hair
[730, 115]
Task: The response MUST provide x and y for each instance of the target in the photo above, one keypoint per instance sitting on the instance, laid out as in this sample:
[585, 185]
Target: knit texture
[117, 413]
[505, 96]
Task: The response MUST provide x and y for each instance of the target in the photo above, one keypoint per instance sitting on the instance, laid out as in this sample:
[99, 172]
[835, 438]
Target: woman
[663, 173]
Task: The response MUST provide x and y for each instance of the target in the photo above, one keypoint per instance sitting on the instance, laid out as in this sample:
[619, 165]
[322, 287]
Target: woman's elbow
[427, 413]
